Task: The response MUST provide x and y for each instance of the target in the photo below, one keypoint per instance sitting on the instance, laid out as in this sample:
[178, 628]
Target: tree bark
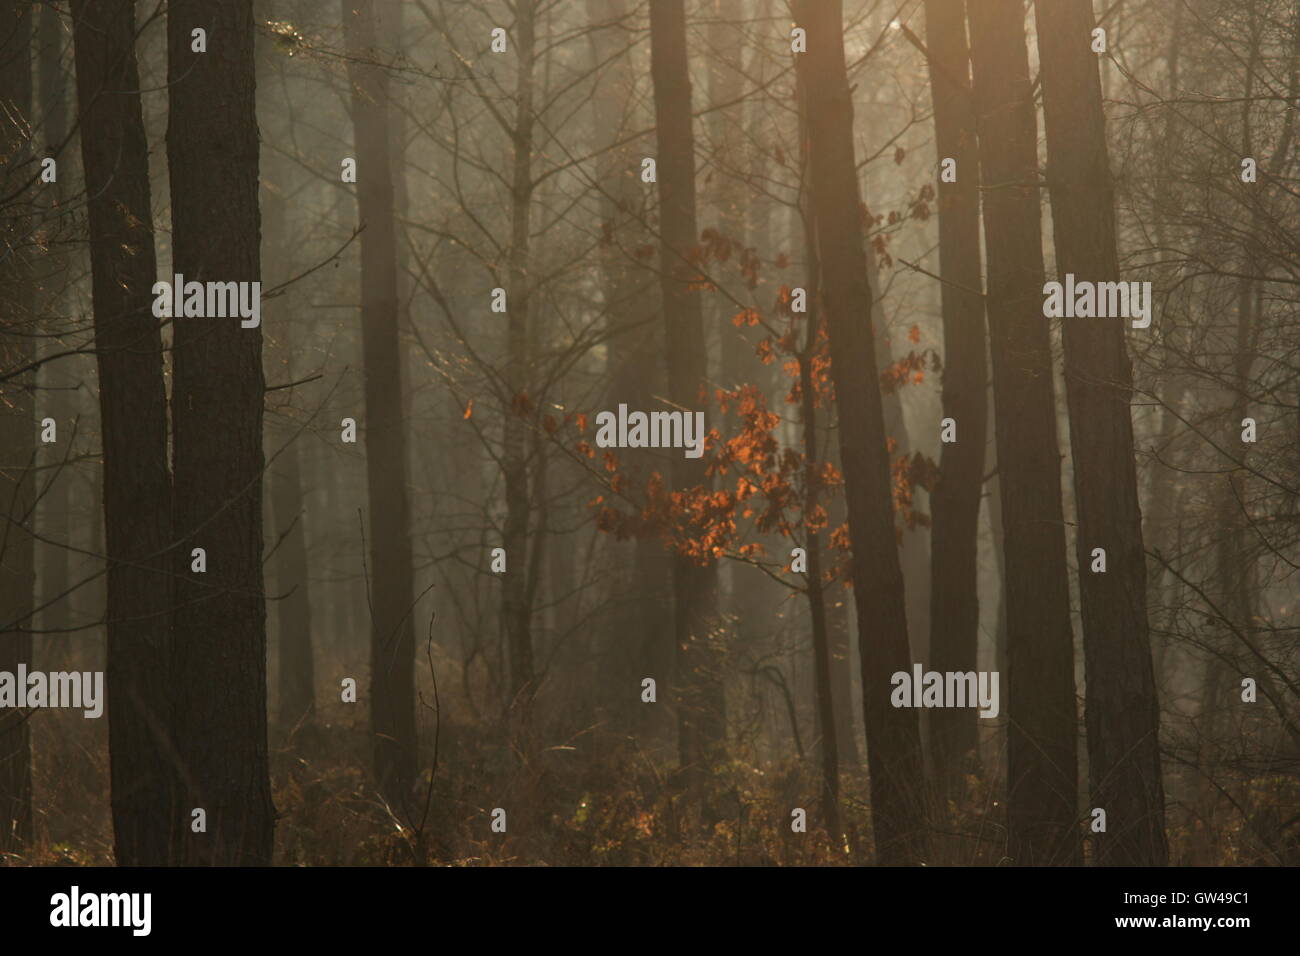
[392, 588]
[133, 411]
[955, 502]
[1122, 713]
[814, 588]
[219, 626]
[700, 715]
[893, 738]
[736, 359]
[18, 420]
[1042, 758]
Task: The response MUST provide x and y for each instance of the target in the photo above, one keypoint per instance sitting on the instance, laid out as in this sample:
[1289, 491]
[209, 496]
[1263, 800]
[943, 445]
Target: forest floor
[582, 799]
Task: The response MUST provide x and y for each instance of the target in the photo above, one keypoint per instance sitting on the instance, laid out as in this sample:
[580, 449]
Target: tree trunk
[955, 502]
[1123, 717]
[60, 395]
[700, 716]
[893, 739]
[219, 626]
[1042, 758]
[828, 745]
[392, 588]
[841, 642]
[296, 679]
[516, 608]
[635, 371]
[825, 693]
[914, 545]
[18, 420]
[391, 27]
[133, 410]
[736, 359]
[293, 612]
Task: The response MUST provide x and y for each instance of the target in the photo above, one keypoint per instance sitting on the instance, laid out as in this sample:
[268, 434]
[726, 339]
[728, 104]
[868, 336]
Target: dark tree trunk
[815, 591]
[392, 588]
[1123, 716]
[955, 502]
[700, 718]
[17, 420]
[219, 625]
[391, 27]
[736, 359]
[1042, 758]
[914, 543]
[893, 739]
[53, 82]
[133, 410]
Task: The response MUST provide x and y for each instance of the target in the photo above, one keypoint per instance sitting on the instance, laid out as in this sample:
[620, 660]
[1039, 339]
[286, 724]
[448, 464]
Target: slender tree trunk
[993, 746]
[822, 651]
[392, 588]
[893, 739]
[726, 85]
[293, 612]
[835, 599]
[955, 502]
[1042, 757]
[759, 207]
[825, 695]
[296, 678]
[53, 85]
[60, 401]
[18, 420]
[391, 27]
[738, 584]
[635, 371]
[517, 609]
[219, 626]
[1123, 716]
[914, 545]
[700, 717]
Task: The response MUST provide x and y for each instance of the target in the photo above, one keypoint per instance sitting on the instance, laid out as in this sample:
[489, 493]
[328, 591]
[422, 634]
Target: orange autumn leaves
[760, 487]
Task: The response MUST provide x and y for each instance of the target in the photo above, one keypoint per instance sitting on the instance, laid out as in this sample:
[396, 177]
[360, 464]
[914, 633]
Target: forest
[649, 433]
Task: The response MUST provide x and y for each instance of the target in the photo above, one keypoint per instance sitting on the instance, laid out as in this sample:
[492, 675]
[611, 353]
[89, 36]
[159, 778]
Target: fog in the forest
[648, 434]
